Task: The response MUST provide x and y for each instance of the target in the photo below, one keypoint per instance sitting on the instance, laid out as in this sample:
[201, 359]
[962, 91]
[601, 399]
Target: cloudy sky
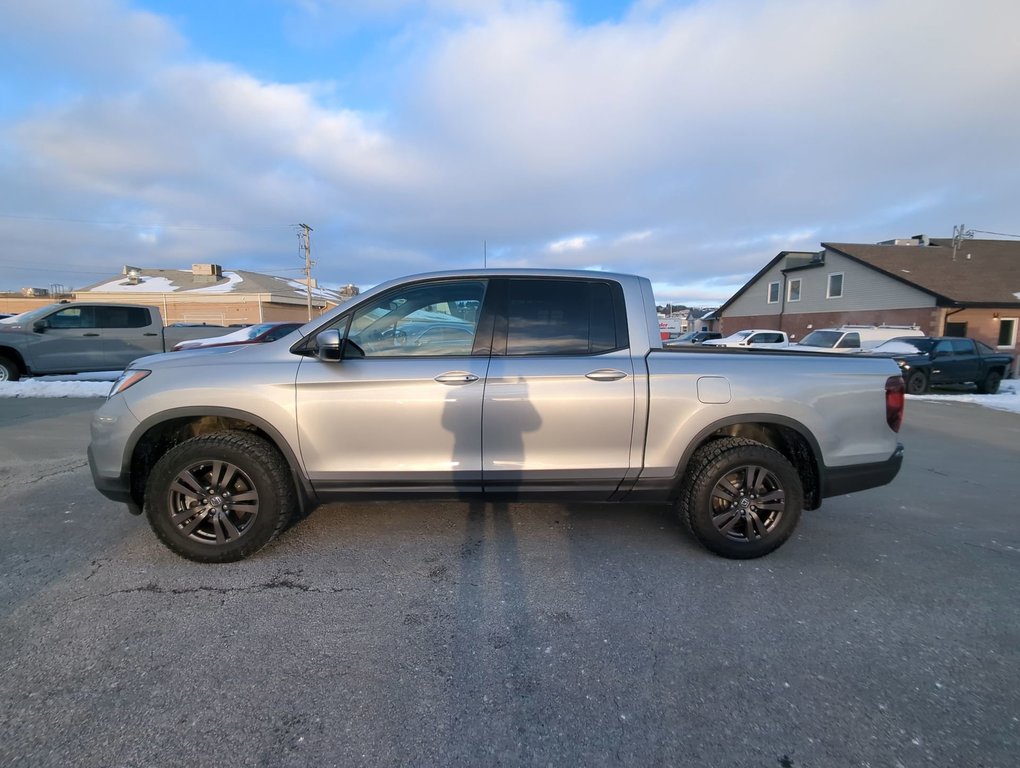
[686, 141]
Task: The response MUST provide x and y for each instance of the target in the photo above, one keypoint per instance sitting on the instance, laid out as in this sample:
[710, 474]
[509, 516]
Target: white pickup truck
[79, 336]
[755, 338]
[496, 384]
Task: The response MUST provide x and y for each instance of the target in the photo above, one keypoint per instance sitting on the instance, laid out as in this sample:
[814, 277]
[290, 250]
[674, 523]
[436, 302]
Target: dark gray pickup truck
[76, 337]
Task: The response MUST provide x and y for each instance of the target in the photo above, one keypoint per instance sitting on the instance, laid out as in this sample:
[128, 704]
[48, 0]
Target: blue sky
[686, 141]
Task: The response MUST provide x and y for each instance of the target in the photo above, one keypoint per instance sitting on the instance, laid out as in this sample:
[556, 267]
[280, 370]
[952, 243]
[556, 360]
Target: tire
[720, 498]
[917, 383]
[250, 501]
[8, 370]
[990, 385]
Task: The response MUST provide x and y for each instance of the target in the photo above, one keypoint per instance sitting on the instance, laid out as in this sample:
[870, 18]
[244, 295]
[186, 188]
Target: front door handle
[456, 377]
[90, 334]
[606, 374]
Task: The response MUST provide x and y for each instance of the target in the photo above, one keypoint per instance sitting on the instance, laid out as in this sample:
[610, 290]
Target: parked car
[74, 337]
[252, 334]
[928, 360]
[854, 338]
[693, 337]
[565, 393]
[755, 338]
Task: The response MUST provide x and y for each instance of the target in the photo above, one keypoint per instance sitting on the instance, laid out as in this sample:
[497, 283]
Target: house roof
[983, 273]
[234, 282]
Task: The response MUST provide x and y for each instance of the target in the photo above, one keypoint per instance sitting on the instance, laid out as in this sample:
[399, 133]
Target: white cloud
[577, 243]
[689, 143]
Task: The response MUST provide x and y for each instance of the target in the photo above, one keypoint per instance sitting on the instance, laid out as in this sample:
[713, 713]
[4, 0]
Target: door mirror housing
[40, 326]
[329, 346]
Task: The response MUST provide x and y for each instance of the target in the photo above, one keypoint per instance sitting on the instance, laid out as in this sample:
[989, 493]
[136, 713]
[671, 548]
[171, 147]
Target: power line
[986, 232]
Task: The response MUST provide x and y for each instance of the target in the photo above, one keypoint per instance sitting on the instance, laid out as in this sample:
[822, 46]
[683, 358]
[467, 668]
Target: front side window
[835, 290]
[563, 317]
[850, 341]
[73, 317]
[774, 293]
[424, 320]
[793, 294]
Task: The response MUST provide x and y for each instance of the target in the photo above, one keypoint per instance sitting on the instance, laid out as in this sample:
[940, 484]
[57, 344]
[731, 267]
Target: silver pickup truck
[81, 336]
[509, 384]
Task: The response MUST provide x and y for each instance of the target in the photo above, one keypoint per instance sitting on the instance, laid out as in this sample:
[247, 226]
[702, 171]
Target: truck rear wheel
[220, 497]
[991, 383]
[740, 498]
[8, 370]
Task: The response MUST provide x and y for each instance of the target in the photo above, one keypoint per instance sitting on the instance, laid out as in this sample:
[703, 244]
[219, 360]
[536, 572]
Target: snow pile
[71, 385]
[1008, 398]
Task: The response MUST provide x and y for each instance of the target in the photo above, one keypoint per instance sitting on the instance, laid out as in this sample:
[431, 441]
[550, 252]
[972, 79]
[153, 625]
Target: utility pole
[306, 245]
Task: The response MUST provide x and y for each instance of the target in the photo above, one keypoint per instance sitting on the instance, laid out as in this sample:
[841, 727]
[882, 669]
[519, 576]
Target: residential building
[204, 294]
[970, 289]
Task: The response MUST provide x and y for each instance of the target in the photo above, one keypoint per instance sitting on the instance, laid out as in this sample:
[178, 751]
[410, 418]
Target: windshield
[826, 339]
[904, 346]
[26, 317]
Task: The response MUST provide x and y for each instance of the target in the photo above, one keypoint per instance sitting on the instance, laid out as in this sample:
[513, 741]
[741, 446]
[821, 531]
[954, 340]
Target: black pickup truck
[927, 360]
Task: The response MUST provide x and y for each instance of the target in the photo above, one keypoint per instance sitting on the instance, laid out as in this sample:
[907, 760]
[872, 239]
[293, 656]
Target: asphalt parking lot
[885, 633]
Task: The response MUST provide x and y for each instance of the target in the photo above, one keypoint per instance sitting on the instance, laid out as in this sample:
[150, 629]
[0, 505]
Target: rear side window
[123, 317]
[564, 317]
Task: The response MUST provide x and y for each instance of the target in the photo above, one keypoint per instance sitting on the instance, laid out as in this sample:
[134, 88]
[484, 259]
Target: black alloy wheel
[740, 498]
[219, 497]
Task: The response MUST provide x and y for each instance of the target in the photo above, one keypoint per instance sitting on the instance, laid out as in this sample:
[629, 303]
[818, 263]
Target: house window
[835, 290]
[1007, 332]
[793, 292]
[774, 292]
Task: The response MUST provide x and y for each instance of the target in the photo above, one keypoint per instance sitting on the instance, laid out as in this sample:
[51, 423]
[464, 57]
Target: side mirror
[40, 326]
[328, 346]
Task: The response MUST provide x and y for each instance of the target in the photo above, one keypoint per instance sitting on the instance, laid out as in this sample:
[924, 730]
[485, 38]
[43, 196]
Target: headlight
[127, 379]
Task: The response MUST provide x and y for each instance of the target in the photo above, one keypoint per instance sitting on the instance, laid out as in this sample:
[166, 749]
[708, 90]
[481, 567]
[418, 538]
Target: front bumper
[111, 431]
[859, 477]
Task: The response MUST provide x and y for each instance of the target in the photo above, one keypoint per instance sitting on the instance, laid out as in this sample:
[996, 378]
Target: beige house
[971, 290]
[204, 294]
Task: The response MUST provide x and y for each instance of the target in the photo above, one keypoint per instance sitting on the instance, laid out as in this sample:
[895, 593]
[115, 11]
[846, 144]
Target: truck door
[128, 333]
[403, 409]
[68, 341]
[559, 396]
[967, 360]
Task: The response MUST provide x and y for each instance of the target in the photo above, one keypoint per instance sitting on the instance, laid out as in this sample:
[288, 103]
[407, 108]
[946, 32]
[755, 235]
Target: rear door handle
[456, 377]
[90, 334]
[606, 374]
[150, 334]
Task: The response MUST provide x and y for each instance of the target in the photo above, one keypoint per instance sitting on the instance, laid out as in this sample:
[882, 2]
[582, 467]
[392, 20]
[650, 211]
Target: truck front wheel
[917, 383]
[220, 497]
[740, 498]
[8, 370]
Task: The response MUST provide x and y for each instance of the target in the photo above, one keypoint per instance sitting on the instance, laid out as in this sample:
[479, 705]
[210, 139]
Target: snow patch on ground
[76, 385]
[1008, 398]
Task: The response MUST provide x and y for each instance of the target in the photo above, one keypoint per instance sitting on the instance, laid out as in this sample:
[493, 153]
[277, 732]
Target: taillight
[894, 397]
